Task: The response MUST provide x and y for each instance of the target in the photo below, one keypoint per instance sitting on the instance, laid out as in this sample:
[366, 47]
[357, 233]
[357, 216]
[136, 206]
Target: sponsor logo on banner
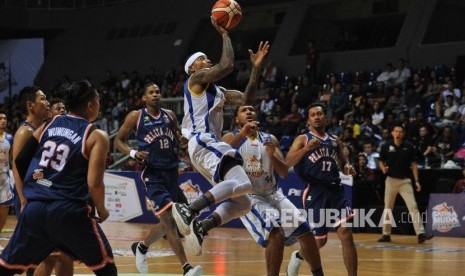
[444, 218]
[191, 191]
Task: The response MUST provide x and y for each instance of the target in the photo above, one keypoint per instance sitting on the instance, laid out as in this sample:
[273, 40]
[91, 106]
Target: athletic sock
[199, 204]
[210, 222]
[142, 248]
[186, 267]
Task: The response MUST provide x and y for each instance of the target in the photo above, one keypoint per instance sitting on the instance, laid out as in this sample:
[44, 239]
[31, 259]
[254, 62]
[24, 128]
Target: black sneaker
[422, 238]
[183, 216]
[385, 238]
[195, 239]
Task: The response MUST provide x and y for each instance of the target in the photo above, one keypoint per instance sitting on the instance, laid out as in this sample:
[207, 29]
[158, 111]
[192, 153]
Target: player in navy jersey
[217, 161]
[316, 157]
[6, 190]
[36, 107]
[156, 131]
[63, 166]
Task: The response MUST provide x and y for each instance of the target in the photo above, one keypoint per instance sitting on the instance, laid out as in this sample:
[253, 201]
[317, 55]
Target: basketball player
[37, 108]
[156, 130]
[217, 161]
[262, 159]
[62, 263]
[6, 190]
[67, 162]
[315, 156]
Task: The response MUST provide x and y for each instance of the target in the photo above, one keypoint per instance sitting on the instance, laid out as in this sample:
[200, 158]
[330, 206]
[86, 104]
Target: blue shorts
[162, 188]
[328, 206]
[62, 224]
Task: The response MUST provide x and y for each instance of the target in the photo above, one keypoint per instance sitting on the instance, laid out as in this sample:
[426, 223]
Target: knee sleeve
[227, 163]
[234, 208]
[108, 270]
[242, 185]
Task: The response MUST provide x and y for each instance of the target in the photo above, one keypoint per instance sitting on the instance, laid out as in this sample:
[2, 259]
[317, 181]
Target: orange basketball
[228, 13]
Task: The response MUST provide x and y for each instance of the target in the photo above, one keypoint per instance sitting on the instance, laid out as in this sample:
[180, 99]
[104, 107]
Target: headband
[191, 60]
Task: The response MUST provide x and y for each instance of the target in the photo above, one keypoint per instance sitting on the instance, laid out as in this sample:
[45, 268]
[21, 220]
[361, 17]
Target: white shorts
[206, 153]
[6, 189]
[274, 210]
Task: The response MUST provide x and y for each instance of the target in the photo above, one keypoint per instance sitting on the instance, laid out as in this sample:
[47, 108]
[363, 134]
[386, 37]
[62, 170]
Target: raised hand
[258, 57]
[270, 148]
[249, 128]
[313, 143]
[220, 29]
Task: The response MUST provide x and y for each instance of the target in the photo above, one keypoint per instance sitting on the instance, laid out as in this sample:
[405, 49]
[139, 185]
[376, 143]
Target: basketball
[227, 13]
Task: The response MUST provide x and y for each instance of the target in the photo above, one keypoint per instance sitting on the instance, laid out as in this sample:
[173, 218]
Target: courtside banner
[446, 215]
[125, 194]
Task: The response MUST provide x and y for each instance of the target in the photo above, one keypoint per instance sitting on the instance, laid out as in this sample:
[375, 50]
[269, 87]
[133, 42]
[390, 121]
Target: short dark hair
[147, 85]
[27, 94]
[79, 94]
[315, 104]
[55, 101]
[398, 125]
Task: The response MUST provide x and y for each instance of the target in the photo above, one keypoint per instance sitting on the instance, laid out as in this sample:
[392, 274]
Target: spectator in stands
[459, 187]
[446, 145]
[291, 121]
[385, 137]
[394, 103]
[450, 89]
[334, 126]
[447, 112]
[350, 123]
[371, 155]
[387, 76]
[125, 80]
[270, 73]
[377, 114]
[424, 145]
[415, 125]
[402, 74]
[356, 95]
[364, 182]
[389, 122]
[273, 121]
[305, 94]
[338, 102]
[361, 112]
[242, 76]
[348, 139]
[266, 107]
[260, 94]
[432, 91]
[311, 69]
[284, 100]
[413, 101]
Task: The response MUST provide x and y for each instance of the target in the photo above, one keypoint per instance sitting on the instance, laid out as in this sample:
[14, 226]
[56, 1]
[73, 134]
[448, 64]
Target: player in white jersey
[274, 221]
[215, 160]
[6, 189]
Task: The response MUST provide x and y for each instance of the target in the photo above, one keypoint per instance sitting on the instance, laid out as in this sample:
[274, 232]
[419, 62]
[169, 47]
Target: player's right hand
[220, 29]
[102, 215]
[142, 156]
[249, 128]
[23, 204]
[313, 143]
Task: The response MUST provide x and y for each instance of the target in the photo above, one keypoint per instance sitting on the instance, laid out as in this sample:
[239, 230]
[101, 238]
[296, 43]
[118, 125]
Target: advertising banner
[446, 215]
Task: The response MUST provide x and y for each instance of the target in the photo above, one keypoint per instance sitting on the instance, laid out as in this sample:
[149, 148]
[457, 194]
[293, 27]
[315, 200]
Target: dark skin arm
[129, 126]
[182, 141]
[276, 156]
[299, 148]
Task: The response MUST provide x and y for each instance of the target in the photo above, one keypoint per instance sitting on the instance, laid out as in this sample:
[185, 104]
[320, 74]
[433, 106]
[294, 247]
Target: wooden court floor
[229, 251]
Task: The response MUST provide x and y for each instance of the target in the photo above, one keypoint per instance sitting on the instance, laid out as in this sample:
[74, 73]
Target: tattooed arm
[235, 97]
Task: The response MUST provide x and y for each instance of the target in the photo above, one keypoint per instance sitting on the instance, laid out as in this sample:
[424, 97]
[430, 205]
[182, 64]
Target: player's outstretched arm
[235, 97]
[98, 146]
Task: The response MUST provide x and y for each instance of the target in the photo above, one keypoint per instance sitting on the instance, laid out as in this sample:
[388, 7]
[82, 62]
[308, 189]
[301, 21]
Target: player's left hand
[418, 186]
[183, 142]
[257, 58]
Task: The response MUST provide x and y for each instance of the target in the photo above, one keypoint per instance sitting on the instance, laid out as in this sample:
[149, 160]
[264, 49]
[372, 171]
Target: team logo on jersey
[444, 218]
[253, 167]
[392, 149]
[38, 174]
[146, 119]
[166, 119]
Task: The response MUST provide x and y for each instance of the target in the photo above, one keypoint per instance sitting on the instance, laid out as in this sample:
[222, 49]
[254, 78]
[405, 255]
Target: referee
[397, 161]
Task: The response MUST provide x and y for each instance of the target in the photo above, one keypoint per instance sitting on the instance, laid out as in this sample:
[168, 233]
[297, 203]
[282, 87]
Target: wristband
[132, 153]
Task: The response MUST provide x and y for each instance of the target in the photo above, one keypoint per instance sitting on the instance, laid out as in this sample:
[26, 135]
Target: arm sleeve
[24, 157]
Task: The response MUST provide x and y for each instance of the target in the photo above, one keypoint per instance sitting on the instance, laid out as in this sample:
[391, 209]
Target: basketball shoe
[195, 239]
[140, 251]
[183, 216]
[195, 271]
[294, 264]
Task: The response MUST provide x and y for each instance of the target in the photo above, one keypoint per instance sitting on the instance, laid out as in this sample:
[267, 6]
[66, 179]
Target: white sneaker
[294, 264]
[195, 239]
[196, 271]
[141, 261]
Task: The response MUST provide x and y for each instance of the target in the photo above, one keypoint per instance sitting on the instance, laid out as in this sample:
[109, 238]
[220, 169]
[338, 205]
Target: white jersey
[204, 113]
[257, 164]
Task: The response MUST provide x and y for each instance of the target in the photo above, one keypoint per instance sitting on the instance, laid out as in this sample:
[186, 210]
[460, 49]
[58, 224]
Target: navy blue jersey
[26, 123]
[59, 167]
[320, 165]
[156, 136]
